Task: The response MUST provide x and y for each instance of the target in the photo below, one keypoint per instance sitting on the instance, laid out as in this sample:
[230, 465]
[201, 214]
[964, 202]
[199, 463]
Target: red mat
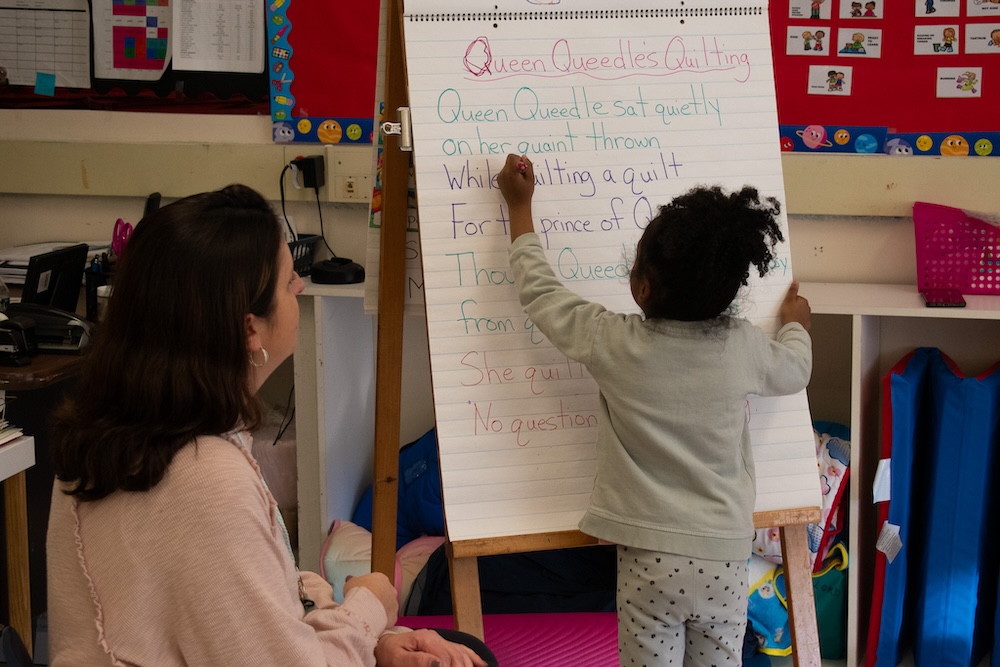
[542, 640]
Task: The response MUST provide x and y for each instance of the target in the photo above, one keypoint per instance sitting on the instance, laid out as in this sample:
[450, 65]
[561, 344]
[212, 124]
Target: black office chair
[12, 649]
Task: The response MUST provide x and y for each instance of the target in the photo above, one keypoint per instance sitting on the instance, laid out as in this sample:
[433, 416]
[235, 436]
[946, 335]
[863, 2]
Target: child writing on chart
[675, 483]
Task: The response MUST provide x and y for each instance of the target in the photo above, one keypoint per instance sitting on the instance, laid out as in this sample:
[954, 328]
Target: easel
[391, 283]
[463, 555]
[467, 602]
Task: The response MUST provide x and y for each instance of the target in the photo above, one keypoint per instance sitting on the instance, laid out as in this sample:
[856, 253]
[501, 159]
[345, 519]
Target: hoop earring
[253, 363]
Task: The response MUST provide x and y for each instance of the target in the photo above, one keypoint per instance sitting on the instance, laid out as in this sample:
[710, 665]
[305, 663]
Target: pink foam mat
[542, 640]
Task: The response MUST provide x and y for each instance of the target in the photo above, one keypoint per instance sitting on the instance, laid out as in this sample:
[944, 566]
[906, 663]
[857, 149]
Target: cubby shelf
[883, 323]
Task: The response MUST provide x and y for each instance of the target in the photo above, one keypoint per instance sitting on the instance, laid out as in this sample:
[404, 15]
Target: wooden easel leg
[799, 594]
[466, 598]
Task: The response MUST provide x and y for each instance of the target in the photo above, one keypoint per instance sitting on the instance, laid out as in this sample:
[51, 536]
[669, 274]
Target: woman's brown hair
[169, 362]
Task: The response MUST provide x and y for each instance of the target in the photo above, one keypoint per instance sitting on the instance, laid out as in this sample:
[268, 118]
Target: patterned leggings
[675, 610]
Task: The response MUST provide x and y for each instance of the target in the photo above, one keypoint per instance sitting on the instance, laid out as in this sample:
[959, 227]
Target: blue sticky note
[45, 83]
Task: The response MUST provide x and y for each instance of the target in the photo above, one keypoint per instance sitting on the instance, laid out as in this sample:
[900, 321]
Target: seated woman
[165, 546]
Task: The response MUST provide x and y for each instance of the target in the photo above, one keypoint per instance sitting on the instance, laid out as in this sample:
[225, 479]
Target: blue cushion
[420, 507]
[957, 581]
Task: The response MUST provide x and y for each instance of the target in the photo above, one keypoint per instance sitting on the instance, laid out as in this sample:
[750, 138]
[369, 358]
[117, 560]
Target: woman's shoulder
[213, 448]
[207, 459]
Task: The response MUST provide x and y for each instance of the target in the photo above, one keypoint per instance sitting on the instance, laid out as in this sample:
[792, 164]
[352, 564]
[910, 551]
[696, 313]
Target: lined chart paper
[619, 110]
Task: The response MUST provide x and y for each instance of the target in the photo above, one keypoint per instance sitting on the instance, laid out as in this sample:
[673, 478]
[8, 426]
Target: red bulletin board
[896, 86]
[322, 57]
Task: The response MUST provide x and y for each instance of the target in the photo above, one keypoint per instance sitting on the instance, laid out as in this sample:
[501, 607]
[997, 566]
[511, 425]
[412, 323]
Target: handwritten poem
[618, 115]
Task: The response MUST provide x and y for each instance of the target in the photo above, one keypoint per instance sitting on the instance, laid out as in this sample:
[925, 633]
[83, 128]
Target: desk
[32, 391]
[16, 457]
[44, 370]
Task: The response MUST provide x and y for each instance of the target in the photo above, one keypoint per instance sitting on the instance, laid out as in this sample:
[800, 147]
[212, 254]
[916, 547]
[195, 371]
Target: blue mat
[904, 441]
[957, 581]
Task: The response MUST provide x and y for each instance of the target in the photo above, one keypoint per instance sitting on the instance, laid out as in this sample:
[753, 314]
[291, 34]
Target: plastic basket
[956, 249]
[302, 253]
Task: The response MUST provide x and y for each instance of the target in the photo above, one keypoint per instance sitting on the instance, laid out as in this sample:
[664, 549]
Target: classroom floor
[789, 662]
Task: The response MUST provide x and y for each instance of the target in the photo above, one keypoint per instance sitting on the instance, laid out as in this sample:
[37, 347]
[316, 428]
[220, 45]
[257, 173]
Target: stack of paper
[14, 260]
[8, 432]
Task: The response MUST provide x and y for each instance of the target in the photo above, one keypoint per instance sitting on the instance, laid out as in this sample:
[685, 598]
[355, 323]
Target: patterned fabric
[833, 458]
[689, 610]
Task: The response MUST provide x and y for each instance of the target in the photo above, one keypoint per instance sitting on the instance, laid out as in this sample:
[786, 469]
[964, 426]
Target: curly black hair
[696, 253]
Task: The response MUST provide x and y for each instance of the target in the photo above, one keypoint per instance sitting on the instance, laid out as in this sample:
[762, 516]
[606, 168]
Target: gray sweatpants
[675, 610]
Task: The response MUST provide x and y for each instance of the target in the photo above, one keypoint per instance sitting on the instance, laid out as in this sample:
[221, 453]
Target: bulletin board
[321, 66]
[906, 77]
[69, 55]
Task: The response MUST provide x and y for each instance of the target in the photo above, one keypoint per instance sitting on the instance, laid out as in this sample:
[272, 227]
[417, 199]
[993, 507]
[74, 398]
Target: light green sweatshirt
[675, 469]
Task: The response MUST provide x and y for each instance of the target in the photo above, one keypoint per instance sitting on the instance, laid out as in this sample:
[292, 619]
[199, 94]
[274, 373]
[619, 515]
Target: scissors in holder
[123, 230]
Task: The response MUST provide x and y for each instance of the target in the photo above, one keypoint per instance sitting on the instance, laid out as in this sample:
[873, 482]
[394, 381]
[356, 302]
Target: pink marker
[522, 166]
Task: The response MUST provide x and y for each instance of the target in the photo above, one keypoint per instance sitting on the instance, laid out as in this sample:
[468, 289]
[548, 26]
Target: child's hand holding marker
[517, 185]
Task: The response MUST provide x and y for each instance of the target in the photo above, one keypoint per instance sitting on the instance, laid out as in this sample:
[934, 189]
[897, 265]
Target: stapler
[56, 331]
[17, 340]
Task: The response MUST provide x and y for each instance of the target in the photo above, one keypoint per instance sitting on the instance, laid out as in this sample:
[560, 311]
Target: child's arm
[517, 185]
[795, 308]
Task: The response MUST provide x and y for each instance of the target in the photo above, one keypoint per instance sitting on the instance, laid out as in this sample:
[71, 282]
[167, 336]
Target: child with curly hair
[675, 485]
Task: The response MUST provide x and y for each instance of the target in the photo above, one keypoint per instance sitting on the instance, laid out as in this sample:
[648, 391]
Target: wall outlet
[312, 169]
[352, 187]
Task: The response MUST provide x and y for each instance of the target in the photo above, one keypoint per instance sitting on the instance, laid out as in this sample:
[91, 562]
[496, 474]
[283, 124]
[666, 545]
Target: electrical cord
[283, 425]
[319, 209]
[281, 189]
[322, 234]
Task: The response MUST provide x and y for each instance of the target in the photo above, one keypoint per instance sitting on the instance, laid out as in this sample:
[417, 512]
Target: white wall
[847, 214]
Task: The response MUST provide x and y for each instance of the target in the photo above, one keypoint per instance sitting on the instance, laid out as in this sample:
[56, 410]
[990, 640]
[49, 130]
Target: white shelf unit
[16, 455]
[334, 368]
[885, 322]
[335, 378]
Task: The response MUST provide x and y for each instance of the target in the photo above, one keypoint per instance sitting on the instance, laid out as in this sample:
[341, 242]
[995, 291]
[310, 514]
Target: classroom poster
[219, 36]
[45, 43]
[132, 40]
[897, 85]
[322, 67]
